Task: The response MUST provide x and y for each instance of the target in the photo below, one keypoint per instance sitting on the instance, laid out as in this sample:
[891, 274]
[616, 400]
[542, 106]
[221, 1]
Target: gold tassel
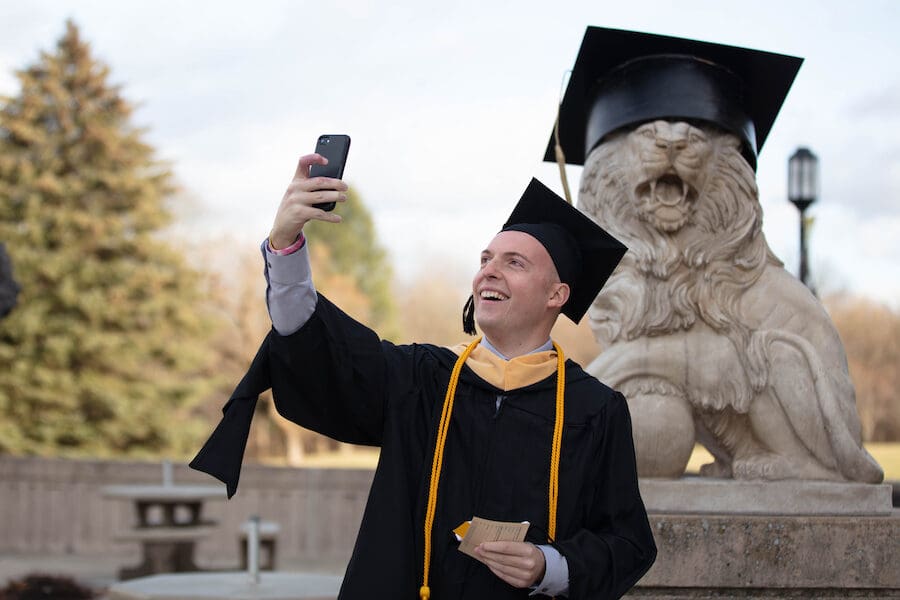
[557, 149]
[561, 161]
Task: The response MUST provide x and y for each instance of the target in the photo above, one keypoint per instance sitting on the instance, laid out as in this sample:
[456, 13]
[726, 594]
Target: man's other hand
[520, 564]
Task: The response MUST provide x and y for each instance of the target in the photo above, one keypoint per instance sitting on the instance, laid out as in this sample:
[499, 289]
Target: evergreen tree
[352, 249]
[106, 350]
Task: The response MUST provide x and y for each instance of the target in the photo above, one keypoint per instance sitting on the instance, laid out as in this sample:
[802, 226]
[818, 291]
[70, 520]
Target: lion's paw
[717, 469]
[762, 466]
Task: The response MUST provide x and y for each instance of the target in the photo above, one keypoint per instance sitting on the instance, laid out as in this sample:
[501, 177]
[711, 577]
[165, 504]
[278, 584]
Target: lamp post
[803, 183]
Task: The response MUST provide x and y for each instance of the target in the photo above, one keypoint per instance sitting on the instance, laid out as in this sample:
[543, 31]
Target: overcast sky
[450, 105]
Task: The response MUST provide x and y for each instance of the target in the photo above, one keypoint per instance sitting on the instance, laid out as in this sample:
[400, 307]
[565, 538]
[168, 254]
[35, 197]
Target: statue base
[702, 495]
[832, 551]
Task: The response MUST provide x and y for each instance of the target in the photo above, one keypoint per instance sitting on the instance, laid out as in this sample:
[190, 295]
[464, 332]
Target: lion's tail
[836, 405]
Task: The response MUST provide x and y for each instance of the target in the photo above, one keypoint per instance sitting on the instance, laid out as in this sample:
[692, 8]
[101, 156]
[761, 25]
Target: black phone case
[335, 148]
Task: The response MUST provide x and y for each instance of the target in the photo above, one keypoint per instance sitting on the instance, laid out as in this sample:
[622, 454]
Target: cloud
[450, 107]
[877, 104]
[862, 251]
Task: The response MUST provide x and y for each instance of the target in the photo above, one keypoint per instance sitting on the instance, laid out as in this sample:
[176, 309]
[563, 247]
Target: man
[502, 429]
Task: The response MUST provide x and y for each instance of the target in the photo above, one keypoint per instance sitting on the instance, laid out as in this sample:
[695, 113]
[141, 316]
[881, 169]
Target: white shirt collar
[548, 345]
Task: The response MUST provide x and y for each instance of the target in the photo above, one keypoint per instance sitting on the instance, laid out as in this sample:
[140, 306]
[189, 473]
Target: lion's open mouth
[669, 190]
[666, 201]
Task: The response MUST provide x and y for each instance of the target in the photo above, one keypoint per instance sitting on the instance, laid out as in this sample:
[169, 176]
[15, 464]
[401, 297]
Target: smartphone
[335, 149]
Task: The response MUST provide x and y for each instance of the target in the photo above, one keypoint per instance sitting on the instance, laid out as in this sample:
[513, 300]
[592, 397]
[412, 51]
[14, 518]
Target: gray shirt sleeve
[290, 294]
[556, 574]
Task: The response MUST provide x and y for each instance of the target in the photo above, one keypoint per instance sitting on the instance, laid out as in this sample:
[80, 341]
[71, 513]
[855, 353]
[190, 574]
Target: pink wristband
[290, 249]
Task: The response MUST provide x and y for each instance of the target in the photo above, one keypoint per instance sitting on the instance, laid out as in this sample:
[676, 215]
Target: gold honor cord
[556, 449]
[438, 460]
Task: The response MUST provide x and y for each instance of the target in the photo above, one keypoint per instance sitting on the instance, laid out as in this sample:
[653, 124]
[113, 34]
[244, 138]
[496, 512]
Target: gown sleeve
[615, 548]
[329, 376]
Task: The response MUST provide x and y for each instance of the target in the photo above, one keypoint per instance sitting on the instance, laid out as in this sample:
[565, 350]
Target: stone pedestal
[751, 554]
[701, 495]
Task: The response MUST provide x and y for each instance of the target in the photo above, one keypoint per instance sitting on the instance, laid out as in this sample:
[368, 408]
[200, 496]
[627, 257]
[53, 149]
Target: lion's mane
[668, 280]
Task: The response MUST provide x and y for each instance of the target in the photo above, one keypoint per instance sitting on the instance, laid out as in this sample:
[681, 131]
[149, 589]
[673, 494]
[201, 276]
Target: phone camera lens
[326, 140]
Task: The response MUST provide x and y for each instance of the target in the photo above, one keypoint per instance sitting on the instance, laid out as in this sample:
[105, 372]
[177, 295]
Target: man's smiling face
[514, 288]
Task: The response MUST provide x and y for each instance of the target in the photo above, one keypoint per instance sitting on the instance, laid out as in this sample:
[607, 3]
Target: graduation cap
[624, 78]
[584, 254]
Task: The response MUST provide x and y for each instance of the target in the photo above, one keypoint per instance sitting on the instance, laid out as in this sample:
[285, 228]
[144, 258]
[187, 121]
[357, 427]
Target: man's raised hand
[296, 208]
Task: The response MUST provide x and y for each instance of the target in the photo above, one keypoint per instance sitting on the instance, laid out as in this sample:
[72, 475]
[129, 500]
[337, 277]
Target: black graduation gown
[336, 377]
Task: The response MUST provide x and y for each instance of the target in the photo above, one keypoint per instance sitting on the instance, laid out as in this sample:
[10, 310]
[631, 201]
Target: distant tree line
[871, 335]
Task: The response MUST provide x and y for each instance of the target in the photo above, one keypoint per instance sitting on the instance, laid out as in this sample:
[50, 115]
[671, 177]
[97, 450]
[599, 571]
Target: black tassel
[468, 316]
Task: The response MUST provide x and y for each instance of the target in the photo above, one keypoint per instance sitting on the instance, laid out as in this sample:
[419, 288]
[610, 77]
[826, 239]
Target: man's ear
[559, 295]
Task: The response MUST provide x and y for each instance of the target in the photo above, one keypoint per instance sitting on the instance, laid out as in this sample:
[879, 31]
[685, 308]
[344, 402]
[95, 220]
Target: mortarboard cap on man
[583, 253]
[624, 78]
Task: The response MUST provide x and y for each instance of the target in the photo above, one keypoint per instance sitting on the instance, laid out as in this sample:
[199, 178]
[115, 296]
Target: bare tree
[871, 335]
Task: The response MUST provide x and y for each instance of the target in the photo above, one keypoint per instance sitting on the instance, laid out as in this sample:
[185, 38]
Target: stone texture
[703, 330]
[56, 506]
[704, 495]
[726, 554]
[761, 594]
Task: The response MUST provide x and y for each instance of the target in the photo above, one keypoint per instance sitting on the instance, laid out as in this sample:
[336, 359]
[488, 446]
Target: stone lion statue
[710, 339]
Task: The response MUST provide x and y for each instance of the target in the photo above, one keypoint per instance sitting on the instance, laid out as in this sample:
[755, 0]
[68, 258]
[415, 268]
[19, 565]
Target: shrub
[46, 587]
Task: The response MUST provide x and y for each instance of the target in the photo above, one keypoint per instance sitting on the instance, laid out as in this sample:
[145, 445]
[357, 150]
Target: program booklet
[484, 530]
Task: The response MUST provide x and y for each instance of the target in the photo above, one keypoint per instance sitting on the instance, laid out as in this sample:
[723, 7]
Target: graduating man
[503, 428]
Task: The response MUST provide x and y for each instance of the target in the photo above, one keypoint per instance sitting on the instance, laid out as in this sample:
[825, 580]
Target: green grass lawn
[887, 455]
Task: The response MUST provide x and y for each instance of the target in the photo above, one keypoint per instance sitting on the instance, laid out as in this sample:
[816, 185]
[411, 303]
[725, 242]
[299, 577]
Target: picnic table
[168, 523]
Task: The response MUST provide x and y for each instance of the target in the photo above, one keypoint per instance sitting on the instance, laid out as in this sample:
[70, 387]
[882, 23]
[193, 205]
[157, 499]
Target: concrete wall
[56, 506]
